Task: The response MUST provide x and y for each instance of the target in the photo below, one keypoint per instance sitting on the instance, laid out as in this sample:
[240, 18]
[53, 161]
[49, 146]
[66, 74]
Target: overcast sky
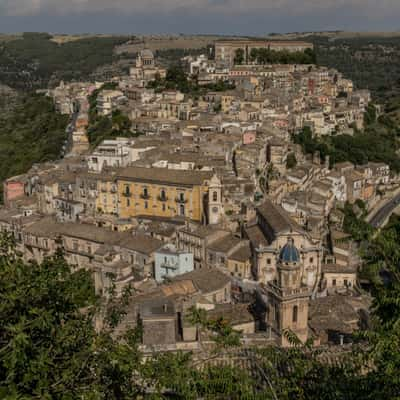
[256, 17]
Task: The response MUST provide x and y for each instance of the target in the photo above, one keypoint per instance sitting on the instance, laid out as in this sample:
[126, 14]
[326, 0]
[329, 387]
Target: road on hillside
[379, 218]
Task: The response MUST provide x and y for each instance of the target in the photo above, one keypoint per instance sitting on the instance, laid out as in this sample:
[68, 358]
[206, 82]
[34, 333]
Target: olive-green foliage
[378, 142]
[239, 56]
[382, 255]
[291, 161]
[107, 127]
[371, 62]
[355, 225]
[177, 79]
[34, 60]
[49, 348]
[31, 132]
[268, 56]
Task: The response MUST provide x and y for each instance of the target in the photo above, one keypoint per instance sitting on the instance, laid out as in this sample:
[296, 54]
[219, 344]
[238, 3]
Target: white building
[106, 101]
[111, 153]
[170, 262]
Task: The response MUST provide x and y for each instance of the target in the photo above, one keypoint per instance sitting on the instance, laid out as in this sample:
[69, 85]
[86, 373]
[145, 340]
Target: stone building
[225, 49]
[270, 233]
[160, 192]
[288, 297]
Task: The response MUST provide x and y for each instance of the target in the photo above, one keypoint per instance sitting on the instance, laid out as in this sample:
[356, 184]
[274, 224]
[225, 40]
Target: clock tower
[215, 207]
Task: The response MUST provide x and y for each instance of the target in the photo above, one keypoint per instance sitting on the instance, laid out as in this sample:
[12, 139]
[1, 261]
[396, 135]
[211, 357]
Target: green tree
[49, 348]
[239, 56]
[31, 132]
[291, 161]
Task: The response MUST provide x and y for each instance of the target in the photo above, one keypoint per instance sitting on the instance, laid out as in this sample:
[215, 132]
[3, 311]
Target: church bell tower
[215, 207]
[288, 298]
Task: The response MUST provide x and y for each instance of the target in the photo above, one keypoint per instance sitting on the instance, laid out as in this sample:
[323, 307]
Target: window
[268, 261]
[128, 202]
[182, 196]
[236, 268]
[295, 314]
[333, 282]
[345, 282]
[163, 207]
[162, 194]
[311, 260]
[145, 192]
[146, 205]
[215, 196]
[182, 210]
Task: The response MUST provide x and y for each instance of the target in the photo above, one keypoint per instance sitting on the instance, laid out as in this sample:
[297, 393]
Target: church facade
[270, 233]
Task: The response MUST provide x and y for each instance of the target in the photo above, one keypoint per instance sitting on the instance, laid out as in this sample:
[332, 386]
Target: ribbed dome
[146, 53]
[289, 253]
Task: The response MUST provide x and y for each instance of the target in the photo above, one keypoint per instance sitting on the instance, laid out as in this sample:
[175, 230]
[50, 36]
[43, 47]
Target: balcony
[162, 198]
[180, 200]
[127, 194]
[144, 196]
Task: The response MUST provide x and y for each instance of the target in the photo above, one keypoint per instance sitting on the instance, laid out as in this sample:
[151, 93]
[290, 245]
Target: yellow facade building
[160, 192]
[107, 194]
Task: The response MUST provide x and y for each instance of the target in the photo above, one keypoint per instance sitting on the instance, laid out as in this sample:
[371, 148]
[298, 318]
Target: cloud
[369, 8]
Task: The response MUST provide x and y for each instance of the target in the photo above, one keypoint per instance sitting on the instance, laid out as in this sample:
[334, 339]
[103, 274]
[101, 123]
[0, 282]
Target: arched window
[295, 314]
[162, 194]
[215, 196]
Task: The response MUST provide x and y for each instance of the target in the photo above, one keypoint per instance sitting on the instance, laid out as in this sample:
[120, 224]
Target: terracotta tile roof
[277, 218]
[206, 280]
[225, 244]
[165, 176]
[243, 253]
[48, 227]
[256, 236]
[235, 314]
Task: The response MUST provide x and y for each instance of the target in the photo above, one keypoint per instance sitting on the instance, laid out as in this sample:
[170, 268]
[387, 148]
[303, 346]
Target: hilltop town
[190, 186]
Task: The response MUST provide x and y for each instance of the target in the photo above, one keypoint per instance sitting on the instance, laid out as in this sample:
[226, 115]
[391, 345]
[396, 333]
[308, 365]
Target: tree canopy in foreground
[50, 349]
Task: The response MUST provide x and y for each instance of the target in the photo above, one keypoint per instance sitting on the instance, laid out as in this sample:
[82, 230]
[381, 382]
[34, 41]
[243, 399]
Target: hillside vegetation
[371, 62]
[29, 133]
[378, 142]
[35, 61]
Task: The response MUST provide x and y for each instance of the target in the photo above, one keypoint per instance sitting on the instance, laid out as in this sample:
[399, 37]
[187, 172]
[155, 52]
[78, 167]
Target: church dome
[289, 253]
[146, 53]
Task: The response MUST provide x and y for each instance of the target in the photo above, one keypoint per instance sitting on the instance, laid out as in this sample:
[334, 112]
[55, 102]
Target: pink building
[13, 189]
[249, 137]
